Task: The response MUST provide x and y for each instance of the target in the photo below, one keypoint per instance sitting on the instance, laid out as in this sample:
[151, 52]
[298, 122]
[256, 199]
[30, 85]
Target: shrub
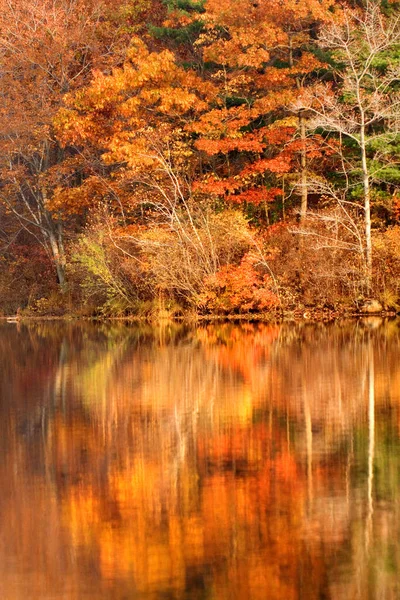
[180, 258]
[104, 275]
[387, 266]
[242, 288]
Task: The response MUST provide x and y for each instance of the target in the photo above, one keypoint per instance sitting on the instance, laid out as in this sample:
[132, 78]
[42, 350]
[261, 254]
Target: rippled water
[223, 462]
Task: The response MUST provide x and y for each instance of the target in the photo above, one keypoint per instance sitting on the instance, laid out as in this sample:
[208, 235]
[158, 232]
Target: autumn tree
[172, 138]
[138, 119]
[262, 54]
[47, 48]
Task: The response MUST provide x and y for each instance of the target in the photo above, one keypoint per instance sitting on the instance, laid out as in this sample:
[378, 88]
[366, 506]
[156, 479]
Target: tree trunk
[303, 164]
[367, 207]
[371, 442]
[57, 250]
[54, 234]
[303, 152]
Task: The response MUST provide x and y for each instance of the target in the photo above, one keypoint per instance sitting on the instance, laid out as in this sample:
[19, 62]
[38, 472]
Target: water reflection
[220, 462]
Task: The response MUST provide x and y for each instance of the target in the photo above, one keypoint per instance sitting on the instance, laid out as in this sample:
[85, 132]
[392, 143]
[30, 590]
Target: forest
[165, 158]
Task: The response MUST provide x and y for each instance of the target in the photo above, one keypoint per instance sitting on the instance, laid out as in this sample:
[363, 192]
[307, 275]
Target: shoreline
[300, 315]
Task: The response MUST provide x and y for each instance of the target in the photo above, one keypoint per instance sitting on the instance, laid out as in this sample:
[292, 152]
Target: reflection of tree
[194, 474]
[371, 442]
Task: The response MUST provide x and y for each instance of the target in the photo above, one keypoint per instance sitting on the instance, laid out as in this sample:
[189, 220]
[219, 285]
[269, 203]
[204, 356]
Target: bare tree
[362, 104]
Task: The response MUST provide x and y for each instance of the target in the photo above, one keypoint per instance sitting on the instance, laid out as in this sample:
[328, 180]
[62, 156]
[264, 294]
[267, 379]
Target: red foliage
[239, 288]
[256, 196]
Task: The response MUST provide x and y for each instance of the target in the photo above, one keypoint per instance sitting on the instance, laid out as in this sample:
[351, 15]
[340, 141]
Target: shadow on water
[224, 461]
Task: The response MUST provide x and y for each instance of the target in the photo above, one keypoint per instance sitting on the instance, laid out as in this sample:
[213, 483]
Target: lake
[219, 462]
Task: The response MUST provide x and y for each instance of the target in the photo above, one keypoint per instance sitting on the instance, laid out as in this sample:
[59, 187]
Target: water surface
[223, 462]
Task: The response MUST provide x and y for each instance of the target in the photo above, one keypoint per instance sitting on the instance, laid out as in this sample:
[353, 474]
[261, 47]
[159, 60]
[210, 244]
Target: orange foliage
[151, 112]
[250, 130]
[256, 196]
[240, 288]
